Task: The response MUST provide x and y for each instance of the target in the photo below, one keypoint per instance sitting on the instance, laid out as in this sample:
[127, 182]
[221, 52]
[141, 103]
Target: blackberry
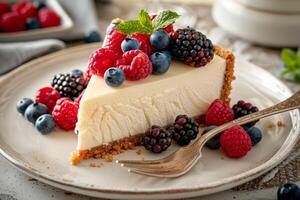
[184, 130]
[242, 108]
[192, 47]
[157, 139]
[68, 85]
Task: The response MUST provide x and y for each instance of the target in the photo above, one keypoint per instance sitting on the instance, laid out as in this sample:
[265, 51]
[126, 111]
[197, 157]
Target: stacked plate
[267, 22]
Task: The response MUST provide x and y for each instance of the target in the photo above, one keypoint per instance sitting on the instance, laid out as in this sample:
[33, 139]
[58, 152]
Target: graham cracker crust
[107, 151]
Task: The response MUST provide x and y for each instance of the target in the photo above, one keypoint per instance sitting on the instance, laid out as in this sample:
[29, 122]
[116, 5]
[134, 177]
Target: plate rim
[283, 153]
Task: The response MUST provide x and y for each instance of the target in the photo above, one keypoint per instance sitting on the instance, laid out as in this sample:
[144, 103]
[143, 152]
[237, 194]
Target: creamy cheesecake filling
[108, 114]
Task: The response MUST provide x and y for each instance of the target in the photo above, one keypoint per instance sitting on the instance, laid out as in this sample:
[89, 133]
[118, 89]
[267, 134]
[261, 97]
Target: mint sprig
[291, 60]
[144, 25]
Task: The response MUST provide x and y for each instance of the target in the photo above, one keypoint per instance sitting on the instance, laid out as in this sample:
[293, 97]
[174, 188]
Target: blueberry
[213, 143]
[288, 191]
[168, 54]
[32, 23]
[45, 124]
[111, 27]
[77, 72]
[22, 104]
[34, 111]
[255, 135]
[160, 63]
[93, 36]
[114, 76]
[160, 40]
[130, 44]
[39, 4]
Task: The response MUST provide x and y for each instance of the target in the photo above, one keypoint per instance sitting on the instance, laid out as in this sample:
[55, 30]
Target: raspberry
[235, 142]
[113, 42]
[101, 60]
[47, 96]
[48, 18]
[135, 64]
[25, 9]
[65, 113]
[12, 22]
[218, 113]
[4, 8]
[78, 99]
[88, 75]
[144, 40]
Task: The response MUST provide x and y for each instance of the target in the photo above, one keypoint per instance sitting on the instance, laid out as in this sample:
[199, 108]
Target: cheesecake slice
[111, 120]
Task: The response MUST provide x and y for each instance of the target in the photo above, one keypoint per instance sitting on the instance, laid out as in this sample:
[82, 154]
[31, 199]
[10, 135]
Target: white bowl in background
[274, 5]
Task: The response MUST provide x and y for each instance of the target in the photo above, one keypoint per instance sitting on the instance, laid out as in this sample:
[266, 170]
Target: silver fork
[183, 159]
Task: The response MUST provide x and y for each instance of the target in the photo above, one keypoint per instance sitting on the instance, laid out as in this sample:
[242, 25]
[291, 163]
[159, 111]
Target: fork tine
[139, 162]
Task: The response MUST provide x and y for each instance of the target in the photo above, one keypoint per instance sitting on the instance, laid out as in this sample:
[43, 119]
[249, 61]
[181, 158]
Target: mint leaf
[289, 58]
[132, 26]
[164, 19]
[143, 18]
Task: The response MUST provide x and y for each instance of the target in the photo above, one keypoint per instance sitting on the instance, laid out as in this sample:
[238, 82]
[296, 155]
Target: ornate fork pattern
[182, 160]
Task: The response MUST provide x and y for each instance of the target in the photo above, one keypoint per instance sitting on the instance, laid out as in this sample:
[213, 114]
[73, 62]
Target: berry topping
[114, 76]
[65, 113]
[144, 40]
[34, 111]
[184, 130]
[235, 142]
[39, 4]
[45, 124]
[47, 96]
[88, 75]
[130, 44]
[255, 135]
[32, 23]
[113, 42]
[213, 143]
[101, 60]
[25, 9]
[168, 28]
[77, 72]
[160, 62]
[218, 113]
[93, 36]
[168, 54]
[48, 18]
[135, 64]
[288, 191]
[78, 99]
[22, 104]
[241, 108]
[160, 40]
[157, 139]
[68, 85]
[192, 47]
[4, 8]
[12, 22]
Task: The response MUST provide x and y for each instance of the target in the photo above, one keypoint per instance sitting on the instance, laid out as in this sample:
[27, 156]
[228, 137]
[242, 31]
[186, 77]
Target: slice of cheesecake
[111, 120]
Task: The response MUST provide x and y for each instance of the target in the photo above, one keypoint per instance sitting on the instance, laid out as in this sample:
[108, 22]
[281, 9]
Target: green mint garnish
[291, 60]
[143, 24]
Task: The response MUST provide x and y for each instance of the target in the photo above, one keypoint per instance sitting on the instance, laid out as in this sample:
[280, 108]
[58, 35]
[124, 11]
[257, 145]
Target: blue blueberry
[213, 143]
[39, 4]
[114, 76]
[32, 23]
[45, 124]
[111, 27]
[255, 135]
[160, 40]
[168, 54]
[288, 191]
[34, 111]
[93, 36]
[160, 63]
[22, 104]
[77, 72]
[130, 44]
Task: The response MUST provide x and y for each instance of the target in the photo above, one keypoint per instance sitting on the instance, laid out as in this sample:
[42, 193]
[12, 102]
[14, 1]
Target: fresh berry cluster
[146, 46]
[26, 15]
[157, 139]
[237, 140]
[54, 105]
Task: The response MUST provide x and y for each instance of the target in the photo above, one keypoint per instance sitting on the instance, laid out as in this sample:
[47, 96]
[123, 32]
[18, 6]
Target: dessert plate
[46, 158]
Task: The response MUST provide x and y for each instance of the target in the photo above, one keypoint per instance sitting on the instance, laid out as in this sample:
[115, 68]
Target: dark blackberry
[68, 85]
[192, 47]
[157, 139]
[184, 130]
[242, 108]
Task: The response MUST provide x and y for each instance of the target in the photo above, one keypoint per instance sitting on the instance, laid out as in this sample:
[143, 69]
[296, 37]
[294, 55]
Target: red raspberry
[4, 8]
[65, 113]
[25, 9]
[78, 99]
[218, 113]
[12, 22]
[144, 40]
[135, 64]
[113, 41]
[169, 28]
[48, 18]
[101, 60]
[47, 96]
[88, 75]
[235, 142]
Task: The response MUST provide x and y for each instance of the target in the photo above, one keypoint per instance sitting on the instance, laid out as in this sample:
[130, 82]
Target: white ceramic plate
[47, 157]
[51, 32]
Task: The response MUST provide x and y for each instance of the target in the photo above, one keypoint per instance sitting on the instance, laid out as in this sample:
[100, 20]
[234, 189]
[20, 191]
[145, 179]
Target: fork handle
[289, 104]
